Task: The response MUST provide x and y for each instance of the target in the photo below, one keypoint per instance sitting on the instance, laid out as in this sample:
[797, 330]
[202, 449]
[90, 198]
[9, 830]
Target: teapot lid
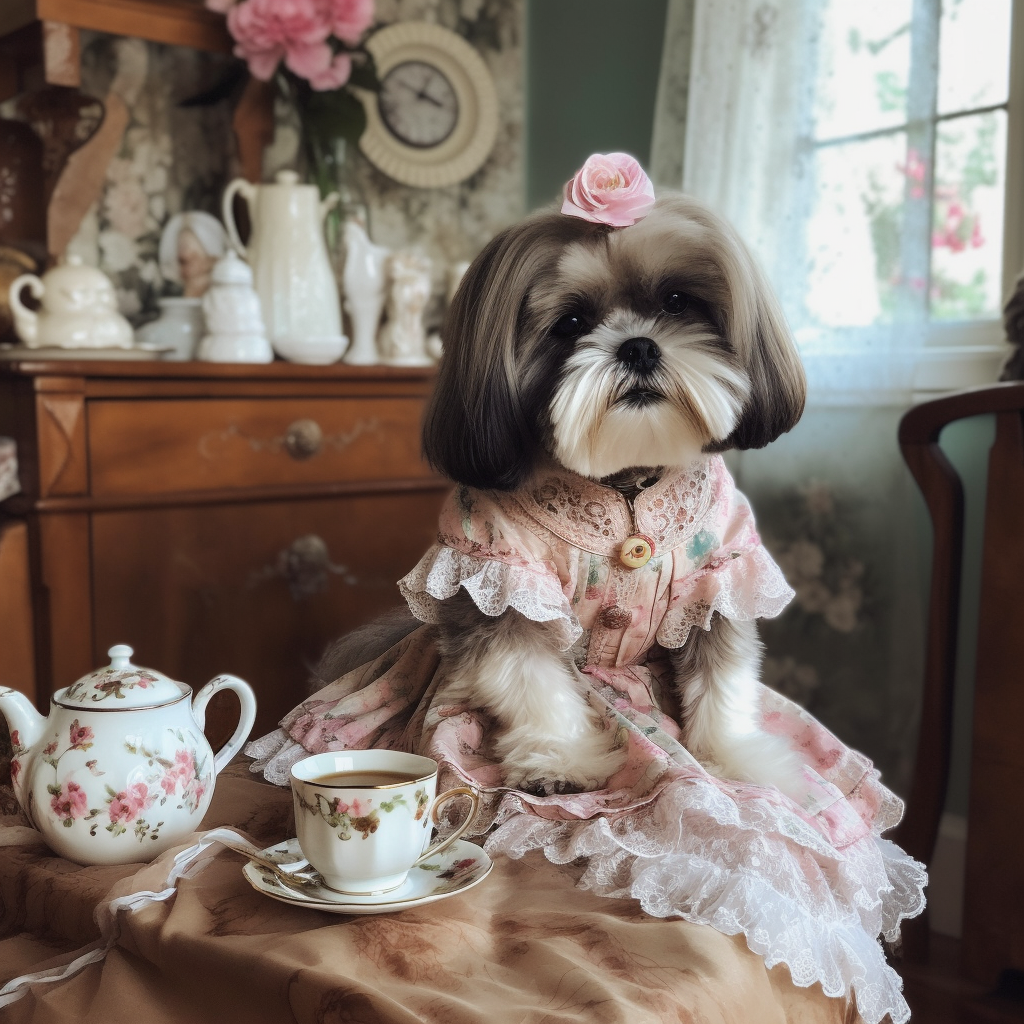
[231, 269]
[120, 686]
[74, 270]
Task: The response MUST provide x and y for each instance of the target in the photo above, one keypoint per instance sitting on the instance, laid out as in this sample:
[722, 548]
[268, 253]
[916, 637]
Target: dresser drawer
[172, 445]
[257, 589]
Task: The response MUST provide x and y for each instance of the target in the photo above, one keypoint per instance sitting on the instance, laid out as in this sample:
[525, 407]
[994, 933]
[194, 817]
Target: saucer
[22, 353]
[457, 869]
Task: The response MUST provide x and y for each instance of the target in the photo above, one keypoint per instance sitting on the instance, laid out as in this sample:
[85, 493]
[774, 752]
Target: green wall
[591, 81]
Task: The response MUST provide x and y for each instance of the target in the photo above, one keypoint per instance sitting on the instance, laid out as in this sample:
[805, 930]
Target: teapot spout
[24, 722]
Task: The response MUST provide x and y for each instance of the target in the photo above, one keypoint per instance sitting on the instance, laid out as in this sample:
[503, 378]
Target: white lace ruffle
[750, 586]
[679, 858]
[494, 587]
[274, 755]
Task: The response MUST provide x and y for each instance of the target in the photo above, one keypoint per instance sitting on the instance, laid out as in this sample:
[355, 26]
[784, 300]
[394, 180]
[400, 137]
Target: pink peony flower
[15, 738]
[335, 75]
[610, 188]
[350, 19]
[80, 736]
[70, 802]
[183, 768]
[129, 803]
[267, 31]
[297, 32]
[317, 64]
[193, 794]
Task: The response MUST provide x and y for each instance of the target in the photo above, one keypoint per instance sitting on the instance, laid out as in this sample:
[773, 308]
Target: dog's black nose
[640, 354]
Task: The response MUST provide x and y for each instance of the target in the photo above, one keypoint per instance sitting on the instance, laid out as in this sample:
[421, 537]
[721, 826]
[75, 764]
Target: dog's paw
[763, 759]
[560, 766]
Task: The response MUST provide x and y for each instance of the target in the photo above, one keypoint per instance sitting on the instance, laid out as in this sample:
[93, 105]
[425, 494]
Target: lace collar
[597, 518]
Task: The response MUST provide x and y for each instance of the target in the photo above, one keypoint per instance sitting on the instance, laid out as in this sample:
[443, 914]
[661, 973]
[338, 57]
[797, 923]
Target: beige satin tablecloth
[523, 946]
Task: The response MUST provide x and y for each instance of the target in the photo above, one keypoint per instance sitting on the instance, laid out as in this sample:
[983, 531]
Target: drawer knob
[303, 439]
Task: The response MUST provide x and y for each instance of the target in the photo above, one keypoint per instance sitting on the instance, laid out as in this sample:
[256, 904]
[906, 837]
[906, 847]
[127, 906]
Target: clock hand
[424, 95]
[420, 94]
[430, 99]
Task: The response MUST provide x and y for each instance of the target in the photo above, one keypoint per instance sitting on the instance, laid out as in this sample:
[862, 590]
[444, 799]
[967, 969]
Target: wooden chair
[993, 920]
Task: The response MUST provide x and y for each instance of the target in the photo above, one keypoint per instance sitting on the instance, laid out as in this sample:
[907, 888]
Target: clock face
[435, 119]
[418, 104]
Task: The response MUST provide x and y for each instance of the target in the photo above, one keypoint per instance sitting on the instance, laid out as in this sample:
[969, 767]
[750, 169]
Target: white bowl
[315, 350]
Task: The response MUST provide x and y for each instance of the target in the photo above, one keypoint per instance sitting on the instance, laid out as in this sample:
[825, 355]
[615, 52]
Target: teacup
[363, 817]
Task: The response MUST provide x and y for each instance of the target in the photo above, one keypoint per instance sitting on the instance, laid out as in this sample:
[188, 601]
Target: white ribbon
[187, 864]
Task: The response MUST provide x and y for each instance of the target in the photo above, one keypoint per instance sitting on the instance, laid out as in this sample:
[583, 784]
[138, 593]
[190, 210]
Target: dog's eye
[569, 326]
[675, 302]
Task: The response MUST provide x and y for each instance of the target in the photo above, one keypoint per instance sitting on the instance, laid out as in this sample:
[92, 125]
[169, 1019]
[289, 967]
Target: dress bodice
[551, 551]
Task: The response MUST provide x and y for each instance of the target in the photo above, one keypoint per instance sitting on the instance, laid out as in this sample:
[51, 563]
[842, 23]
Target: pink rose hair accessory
[610, 188]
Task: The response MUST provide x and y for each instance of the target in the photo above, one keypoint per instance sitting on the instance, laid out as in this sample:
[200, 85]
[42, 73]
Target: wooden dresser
[217, 518]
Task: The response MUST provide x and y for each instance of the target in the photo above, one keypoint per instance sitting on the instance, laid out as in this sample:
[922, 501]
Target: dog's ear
[778, 386]
[482, 423]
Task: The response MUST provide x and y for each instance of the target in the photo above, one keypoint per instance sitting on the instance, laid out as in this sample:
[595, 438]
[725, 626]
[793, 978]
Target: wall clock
[435, 119]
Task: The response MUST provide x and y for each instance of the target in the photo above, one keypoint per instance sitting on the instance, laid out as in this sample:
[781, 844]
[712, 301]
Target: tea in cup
[363, 817]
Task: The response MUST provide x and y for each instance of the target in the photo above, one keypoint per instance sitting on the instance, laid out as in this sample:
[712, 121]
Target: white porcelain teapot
[79, 309]
[121, 769]
[288, 255]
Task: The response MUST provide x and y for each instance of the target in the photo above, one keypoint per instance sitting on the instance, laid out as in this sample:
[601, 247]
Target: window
[906, 150]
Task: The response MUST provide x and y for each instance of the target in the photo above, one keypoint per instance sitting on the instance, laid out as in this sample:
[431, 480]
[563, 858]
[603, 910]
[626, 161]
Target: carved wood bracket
[63, 466]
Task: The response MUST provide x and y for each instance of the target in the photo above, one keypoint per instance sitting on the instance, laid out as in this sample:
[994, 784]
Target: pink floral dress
[809, 883]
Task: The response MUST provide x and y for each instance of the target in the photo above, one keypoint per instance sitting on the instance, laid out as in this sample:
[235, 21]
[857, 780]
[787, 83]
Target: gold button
[636, 551]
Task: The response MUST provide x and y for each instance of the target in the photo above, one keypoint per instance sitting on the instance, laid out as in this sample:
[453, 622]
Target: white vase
[177, 331]
[364, 279]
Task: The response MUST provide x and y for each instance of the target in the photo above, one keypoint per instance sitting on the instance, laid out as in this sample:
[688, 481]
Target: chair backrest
[993, 921]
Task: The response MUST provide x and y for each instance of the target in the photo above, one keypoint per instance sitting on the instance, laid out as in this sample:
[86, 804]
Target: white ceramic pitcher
[291, 269]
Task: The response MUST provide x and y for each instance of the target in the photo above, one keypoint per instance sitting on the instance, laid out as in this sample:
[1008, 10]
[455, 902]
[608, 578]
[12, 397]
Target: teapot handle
[25, 319]
[248, 190]
[246, 718]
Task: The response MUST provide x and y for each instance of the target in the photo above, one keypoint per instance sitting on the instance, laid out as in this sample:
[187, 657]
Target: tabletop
[523, 945]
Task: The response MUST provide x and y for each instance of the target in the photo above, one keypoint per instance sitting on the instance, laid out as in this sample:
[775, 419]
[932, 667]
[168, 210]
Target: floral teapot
[79, 309]
[121, 769]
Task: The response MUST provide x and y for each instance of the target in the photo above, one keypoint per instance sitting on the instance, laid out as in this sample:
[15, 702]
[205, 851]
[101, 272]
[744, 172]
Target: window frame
[950, 353]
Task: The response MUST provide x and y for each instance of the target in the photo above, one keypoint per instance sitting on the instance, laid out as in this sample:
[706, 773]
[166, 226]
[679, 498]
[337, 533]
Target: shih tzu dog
[620, 339]
[621, 342]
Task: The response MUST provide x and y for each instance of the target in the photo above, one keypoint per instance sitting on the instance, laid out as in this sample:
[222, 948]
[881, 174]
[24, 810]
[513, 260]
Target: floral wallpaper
[171, 158]
[174, 158]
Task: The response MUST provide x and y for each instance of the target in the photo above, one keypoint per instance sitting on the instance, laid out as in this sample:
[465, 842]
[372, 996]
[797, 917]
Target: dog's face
[605, 349]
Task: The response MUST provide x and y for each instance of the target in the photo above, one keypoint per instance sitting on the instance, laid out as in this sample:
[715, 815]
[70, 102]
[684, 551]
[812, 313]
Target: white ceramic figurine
[403, 338]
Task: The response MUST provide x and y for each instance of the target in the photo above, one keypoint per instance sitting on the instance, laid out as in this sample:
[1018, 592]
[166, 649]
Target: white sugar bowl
[120, 770]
